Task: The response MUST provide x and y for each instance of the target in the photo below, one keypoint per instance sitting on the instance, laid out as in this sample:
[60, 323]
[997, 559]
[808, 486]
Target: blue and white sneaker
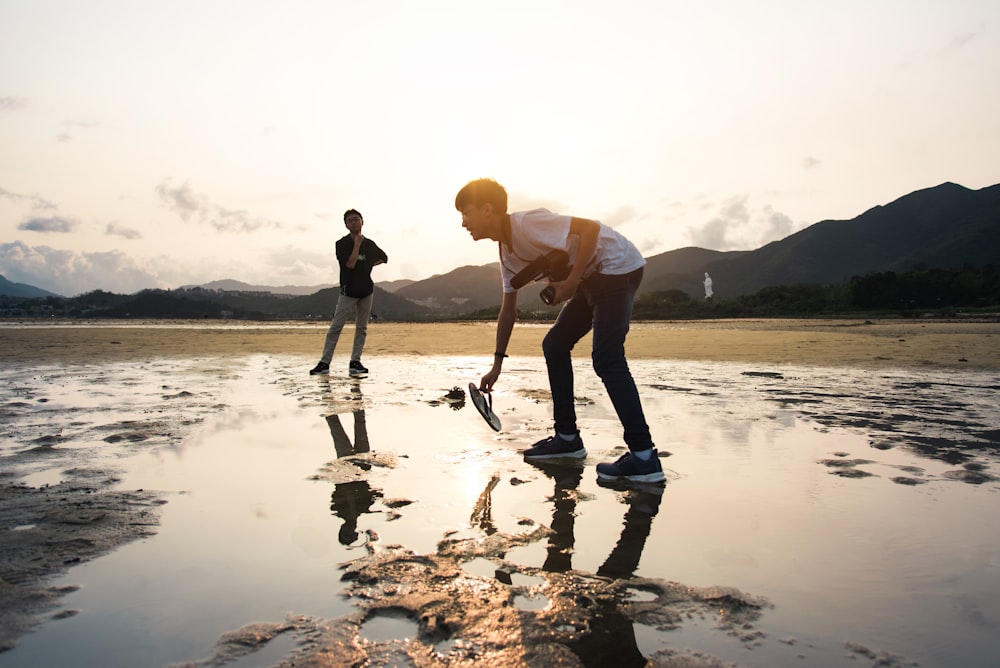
[557, 446]
[632, 468]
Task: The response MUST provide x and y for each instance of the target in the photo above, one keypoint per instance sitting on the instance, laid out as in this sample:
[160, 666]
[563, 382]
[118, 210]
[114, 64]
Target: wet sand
[83, 404]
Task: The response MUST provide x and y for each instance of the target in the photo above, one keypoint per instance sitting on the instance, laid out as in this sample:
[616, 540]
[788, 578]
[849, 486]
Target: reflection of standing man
[357, 255]
[351, 499]
[341, 442]
[708, 286]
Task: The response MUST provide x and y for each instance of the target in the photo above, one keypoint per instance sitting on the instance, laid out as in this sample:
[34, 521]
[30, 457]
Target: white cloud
[35, 202]
[118, 230]
[619, 216]
[778, 226]
[67, 134]
[51, 224]
[718, 233]
[648, 245]
[13, 103]
[738, 226]
[196, 207]
[69, 272]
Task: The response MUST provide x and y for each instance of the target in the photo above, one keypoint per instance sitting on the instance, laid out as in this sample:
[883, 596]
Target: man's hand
[563, 290]
[486, 384]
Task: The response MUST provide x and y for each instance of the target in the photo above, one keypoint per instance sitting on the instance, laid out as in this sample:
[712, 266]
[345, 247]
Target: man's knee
[554, 346]
[607, 362]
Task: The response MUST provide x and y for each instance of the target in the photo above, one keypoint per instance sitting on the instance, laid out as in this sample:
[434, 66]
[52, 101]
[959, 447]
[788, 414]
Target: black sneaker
[321, 367]
[631, 468]
[556, 446]
[355, 369]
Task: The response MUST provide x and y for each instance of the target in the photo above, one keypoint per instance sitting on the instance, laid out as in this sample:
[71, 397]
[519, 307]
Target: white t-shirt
[534, 233]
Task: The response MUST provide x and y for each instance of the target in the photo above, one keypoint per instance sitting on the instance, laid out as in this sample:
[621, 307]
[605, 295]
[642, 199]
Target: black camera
[547, 295]
[553, 266]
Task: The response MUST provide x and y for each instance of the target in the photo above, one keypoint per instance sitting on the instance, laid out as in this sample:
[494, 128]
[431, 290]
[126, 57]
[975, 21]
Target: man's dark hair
[482, 191]
[352, 212]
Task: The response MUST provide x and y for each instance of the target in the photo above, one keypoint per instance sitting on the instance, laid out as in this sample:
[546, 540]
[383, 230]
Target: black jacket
[357, 282]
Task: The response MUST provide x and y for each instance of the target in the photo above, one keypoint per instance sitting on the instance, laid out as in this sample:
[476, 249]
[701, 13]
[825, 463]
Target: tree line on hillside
[941, 291]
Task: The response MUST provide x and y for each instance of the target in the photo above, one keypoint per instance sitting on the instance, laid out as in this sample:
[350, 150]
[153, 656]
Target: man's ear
[488, 209]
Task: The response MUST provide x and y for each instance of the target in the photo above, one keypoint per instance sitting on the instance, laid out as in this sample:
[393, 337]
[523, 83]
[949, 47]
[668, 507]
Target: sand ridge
[870, 344]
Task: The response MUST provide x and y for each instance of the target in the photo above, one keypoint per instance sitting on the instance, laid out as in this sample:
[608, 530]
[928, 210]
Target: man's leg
[573, 323]
[360, 433]
[345, 305]
[613, 296]
[363, 311]
[341, 442]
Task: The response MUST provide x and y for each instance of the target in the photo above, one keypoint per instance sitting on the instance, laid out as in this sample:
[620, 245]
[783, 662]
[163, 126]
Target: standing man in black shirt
[357, 255]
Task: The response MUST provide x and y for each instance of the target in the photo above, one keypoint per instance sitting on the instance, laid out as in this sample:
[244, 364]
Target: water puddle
[388, 625]
[805, 509]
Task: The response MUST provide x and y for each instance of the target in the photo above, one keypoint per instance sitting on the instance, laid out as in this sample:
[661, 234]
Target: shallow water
[862, 505]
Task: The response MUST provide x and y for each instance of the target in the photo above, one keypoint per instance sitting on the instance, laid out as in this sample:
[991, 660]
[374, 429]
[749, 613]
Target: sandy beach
[185, 494]
[872, 344]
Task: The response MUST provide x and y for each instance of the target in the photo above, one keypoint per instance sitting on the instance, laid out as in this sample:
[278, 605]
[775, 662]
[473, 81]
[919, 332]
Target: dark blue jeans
[602, 303]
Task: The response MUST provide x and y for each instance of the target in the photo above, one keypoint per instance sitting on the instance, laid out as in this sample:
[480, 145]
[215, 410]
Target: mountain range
[944, 227]
[11, 289]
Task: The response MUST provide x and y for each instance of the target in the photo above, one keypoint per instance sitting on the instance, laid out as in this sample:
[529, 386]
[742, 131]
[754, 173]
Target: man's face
[476, 219]
[354, 223]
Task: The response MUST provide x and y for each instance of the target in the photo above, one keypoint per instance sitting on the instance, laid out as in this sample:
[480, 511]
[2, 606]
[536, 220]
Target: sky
[163, 143]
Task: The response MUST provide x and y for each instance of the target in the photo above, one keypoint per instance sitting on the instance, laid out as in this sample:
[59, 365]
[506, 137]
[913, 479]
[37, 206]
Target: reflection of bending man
[612, 640]
[350, 500]
[643, 505]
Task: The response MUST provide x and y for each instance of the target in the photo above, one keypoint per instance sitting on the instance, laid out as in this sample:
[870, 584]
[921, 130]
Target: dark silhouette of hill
[394, 286]
[175, 304]
[230, 285]
[12, 289]
[387, 305]
[199, 302]
[461, 290]
[945, 227]
[469, 289]
[682, 269]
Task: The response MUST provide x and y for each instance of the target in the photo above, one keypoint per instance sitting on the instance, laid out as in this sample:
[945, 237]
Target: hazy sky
[162, 143]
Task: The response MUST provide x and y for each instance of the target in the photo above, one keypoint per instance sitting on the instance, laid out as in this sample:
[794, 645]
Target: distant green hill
[461, 290]
[946, 227]
[386, 305]
[11, 289]
[682, 269]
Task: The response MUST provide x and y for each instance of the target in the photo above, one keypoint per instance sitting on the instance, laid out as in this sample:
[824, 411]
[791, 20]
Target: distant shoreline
[969, 343]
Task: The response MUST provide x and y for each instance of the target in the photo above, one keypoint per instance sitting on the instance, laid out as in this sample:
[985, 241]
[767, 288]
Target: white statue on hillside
[708, 286]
